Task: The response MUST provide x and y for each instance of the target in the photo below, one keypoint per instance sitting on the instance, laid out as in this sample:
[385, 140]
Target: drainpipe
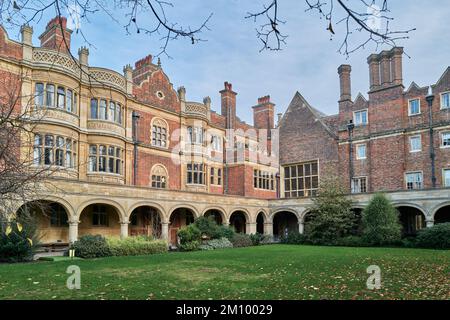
[350, 127]
[135, 119]
[430, 98]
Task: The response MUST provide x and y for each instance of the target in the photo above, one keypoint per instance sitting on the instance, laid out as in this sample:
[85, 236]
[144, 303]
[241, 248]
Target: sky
[308, 63]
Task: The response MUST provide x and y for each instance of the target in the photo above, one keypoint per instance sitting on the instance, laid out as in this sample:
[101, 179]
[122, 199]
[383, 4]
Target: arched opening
[260, 223]
[411, 219]
[284, 223]
[238, 221]
[357, 228]
[145, 221]
[51, 220]
[99, 218]
[179, 218]
[216, 214]
[442, 215]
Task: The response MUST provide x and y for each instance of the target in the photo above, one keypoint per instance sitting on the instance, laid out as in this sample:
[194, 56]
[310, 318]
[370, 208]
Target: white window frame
[353, 185]
[442, 100]
[414, 172]
[442, 139]
[409, 107]
[361, 123]
[357, 151]
[444, 182]
[411, 150]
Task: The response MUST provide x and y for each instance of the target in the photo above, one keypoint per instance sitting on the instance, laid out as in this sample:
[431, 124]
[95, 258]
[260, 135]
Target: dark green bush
[91, 246]
[189, 233]
[436, 237]
[294, 238]
[190, 246]
[256, 238]
[18, 239]
[241, 240]
[381, 224]
[351, 241]
[134, 246]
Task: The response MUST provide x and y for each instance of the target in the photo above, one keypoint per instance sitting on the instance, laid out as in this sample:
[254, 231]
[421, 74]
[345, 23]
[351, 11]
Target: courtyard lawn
[264, 272]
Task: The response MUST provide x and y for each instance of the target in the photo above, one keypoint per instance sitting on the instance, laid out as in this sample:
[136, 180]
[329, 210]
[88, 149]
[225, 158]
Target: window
[58, 216]
[445, 100]
[195, 173]
[50, 95]
[69, 100]
[61, 98]
[75, 103]
[263, 180]
[94, 108]
[446, 139]
[216, 143]
[105, 159]
[219, 176]
[112, 111]
[446, 178]
[51, 150]
[415, 144]
[159, 133]
[361, 151]
[211, 176]
[414, 180]
[195, 135]
[360, 118]
[102, 115]
[119, 113]
[39, 94]
[414, 107]
[99, 216]
[359, 185]
[159, 177]
[301, 180]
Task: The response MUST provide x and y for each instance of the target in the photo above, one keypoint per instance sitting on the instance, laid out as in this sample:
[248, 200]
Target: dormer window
[360, 118]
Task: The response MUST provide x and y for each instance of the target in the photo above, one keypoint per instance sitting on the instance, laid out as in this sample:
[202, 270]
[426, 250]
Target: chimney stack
[386, 69]
[228, 105]
[263, 113]
[345, 81]
[56, 35]
[374, 71]
[143, 68]
[385, 72]
[397, 65]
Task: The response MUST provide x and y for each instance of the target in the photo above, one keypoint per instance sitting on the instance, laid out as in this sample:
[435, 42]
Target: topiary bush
[435, 237]
[18, 239]
[134, 246]
[91, 246]
[380, 221]
[216, 244]
[241, 240]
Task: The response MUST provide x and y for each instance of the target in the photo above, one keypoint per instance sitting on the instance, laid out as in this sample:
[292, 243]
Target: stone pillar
[124, 230]
[128, 74]
[268, 228]
[165, 230]
[301, 227]
[430, 223]
[250, 228]
[27, 40]
[73, 231]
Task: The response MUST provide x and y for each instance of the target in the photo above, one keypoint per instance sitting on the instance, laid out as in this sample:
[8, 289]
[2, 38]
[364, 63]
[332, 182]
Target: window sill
[415, 114]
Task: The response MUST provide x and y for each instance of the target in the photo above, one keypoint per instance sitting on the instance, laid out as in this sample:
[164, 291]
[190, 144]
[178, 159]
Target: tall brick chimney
[142, 68]
[344, 72]
[228, 105]
[386, 69]
[374, 71]
[397, 65]
[264, 113]
[55, 38]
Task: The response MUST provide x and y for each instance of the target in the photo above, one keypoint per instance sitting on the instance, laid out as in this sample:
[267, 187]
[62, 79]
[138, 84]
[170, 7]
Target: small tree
[331, 217]
[380, 222]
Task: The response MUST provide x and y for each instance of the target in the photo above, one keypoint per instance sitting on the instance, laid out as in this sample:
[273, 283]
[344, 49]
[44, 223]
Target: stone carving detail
[54, 113]
[159, 170]
[196, 109]
[108, 78]
[52, 58]
[106, 126]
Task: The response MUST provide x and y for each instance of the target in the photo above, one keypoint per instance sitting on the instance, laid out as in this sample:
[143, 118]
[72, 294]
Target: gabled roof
[445, 76]
[360, 98]
[327, 122]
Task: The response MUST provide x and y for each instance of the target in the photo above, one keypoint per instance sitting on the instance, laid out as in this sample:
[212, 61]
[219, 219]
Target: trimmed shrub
[225, 232]
[190, 246]
[351, 241]
[90, 246]
[256, 238]
[436, 237]
[241, 240]
[216, 244]
[189, 233]
[135, 246]
[18, 239]
[380, 222]
[294, 238]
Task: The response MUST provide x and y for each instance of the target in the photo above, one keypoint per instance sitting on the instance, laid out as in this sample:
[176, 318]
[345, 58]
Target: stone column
[124, 230]
[268, 228]
[73, 231]
[250, 228]
[165, 230]
[430, 223]
[301, 227]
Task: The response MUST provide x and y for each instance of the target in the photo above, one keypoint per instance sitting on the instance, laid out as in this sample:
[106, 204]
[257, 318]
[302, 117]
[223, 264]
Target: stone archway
[442, 215]
[260, 220]
[412, 220]
[179, 218]
[100, 218]
[285, 223]
[217, 214]
[51, 218]
[146, 221]
[238, 221]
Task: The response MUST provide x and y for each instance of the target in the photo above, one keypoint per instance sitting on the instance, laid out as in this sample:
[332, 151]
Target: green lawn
[265, 272]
